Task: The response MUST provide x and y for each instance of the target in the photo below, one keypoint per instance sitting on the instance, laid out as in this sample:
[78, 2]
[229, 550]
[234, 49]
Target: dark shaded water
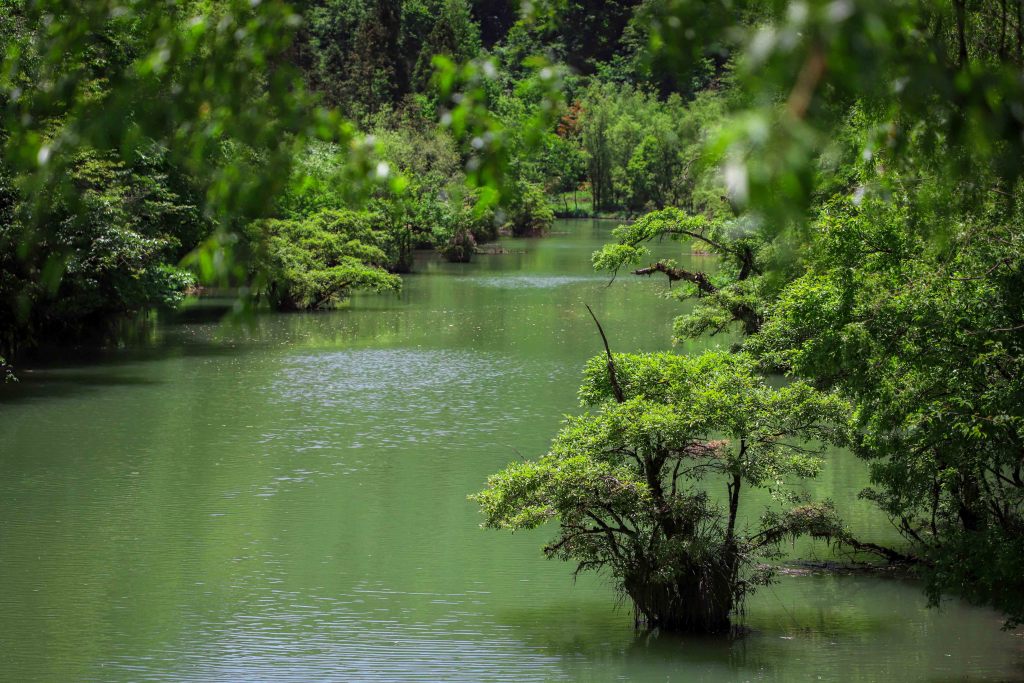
[287, 501]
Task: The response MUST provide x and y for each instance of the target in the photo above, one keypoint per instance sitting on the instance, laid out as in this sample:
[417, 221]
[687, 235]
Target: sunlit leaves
[318, 261]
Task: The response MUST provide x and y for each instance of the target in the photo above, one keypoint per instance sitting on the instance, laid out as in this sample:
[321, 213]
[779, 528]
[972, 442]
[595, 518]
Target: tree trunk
[960, 11]
[698, 601]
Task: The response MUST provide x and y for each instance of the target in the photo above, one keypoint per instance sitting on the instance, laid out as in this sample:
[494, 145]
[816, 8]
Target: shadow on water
[604, 645]
[815, 625]
[60, 373]
[100, 357]
[33, 385]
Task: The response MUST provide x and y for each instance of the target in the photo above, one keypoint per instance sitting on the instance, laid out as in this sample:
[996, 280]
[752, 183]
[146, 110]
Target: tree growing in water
[317, 262]
[632, 483]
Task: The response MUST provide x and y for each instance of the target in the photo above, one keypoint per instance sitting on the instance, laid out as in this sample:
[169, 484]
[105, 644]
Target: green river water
[286, 501]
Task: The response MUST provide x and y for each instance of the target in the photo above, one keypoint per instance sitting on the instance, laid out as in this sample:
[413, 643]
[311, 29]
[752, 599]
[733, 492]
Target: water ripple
[434, 396]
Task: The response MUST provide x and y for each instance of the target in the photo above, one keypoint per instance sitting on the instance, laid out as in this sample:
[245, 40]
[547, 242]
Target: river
[285, 499]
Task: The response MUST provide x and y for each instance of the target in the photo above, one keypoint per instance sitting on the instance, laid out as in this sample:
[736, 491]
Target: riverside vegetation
[853, 165]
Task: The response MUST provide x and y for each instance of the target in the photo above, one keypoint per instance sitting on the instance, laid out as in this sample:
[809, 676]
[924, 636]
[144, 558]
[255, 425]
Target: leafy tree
[563, 165]
[731, 295]
[434, 205]
[328, 176]
[631, 483]
[316, 262]
[643, 153]
[591, 30]
[528, 211]
[357, 45]
[594, 133]
[128, 133]
[454, 34]
[107, 254]
[926, 342]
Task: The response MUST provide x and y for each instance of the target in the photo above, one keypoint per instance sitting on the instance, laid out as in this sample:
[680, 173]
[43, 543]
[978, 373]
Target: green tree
[925, 340]
[358, 61]
[630, 483]
[528, 212]
[591, 30]
[597, 118]
[128, 133]
[732, 295]
[109, 252]
[317, 262]
[454, 34]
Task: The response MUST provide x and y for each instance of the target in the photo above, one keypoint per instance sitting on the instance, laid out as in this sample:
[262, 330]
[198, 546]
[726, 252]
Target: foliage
[317, 262]
[562, 164]
[643, 153]
[586, 33]
[925, 339]
[119, 77]
[629, 483]
[730, 295]
[528, 211]
[367, 56]
[131, 133]
[106, 255]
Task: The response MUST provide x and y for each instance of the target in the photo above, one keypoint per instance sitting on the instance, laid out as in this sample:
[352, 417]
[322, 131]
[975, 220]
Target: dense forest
[854, 166]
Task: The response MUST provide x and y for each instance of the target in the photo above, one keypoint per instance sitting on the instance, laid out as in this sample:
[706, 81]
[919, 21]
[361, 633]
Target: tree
[591, 30]
[562, 165]
[454, 34]
[594, 124]
[732, 295]
[631, 483]
[129, 133]
[109, 252]
[528, 212]
[925, 339]
[358, 60]
[641, 150]
[317, 262]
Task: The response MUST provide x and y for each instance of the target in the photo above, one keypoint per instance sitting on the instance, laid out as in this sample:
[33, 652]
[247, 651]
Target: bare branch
[612, 377]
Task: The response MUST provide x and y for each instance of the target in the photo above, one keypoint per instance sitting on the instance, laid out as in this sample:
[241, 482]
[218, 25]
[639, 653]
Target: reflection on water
[285, 499]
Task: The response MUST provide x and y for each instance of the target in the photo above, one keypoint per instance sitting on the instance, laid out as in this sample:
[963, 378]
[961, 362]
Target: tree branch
[698, 278]
[612, 377]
